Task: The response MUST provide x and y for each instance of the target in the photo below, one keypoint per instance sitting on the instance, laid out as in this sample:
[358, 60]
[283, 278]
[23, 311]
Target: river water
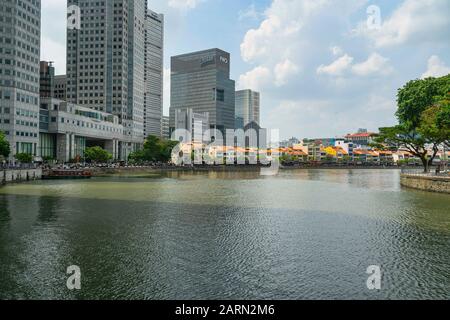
[302, 234]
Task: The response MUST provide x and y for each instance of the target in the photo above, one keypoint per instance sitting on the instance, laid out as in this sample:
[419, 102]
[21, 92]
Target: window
[220, 95]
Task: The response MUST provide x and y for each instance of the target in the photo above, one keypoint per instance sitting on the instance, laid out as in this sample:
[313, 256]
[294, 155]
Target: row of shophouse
[353, 149]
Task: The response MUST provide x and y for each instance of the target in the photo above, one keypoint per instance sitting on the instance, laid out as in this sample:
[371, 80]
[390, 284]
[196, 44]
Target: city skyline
[317, 79]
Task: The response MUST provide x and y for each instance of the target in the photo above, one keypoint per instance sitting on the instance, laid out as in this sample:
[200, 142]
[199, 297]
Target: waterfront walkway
[431, 182]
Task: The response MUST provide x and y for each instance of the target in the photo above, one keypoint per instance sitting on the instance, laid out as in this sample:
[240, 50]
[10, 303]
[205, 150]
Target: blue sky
[322, 70]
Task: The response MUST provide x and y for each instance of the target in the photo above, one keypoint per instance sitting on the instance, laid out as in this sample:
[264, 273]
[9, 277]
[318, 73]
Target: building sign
[210, 60]
[206, 61]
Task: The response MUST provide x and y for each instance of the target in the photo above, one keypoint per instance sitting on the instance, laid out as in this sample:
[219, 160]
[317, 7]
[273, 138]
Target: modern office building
[154, 73]
[165, 132]
[105, 63]
[255, 136]
[47, 79]
[67, 129]
[60, 88]
[201, 81]
[191, 125]
[247, 108]
[51, 85]
[20, 33]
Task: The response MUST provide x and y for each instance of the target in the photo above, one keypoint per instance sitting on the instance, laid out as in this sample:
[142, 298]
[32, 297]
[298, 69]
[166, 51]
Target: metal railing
[432, 173]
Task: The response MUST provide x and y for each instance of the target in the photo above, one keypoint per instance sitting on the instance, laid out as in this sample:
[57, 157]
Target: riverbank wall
[99, 171]
[19, 175]
[426, 183]
[151, 170]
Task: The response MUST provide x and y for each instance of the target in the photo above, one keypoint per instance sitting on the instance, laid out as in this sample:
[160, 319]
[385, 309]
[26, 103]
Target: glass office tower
[154, 74]
[247, 108]
[201, 81]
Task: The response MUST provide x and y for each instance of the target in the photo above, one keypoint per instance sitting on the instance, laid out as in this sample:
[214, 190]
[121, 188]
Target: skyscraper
[20, 33]
[201, 81]
[165, 132]
[105, 63]
[247, 108]
[154, 74]
[47, 79]
[60, 87]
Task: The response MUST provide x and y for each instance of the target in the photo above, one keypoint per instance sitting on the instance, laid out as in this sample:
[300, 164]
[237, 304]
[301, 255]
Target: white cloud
[284, 19]
[337, 51]
[338, 67]
[280, 41]
[250, 13]
[436, 68]
[184, 4]
[255, 79]
[413, 21]
[280, 31]
[283, 71]
[378, 103]
[375, 64]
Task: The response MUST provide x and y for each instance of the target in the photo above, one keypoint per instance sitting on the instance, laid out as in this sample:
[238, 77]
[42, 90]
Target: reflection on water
[303, 234]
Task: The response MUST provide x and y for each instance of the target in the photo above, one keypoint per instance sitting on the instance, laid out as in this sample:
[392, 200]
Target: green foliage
[97, 155]
[423, 115]
[419, 95]
[435, 123]
[5, 148]
[155, 150]
[24, 157]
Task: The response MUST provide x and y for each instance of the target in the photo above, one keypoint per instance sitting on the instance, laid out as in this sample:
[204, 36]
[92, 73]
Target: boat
[66, 174]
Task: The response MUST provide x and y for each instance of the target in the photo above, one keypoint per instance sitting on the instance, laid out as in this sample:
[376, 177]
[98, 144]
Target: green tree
[24, 157]
[5, 149]
[155, 149]
[423, 119]
[97, 155]
[136, 157]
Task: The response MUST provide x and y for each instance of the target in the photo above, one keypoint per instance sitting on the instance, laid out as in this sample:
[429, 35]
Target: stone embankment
[19, 175]
[431, 183]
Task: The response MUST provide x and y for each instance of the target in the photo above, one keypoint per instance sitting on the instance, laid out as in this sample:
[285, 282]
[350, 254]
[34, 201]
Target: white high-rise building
[20, 34]
[154, 74]
[105, 63]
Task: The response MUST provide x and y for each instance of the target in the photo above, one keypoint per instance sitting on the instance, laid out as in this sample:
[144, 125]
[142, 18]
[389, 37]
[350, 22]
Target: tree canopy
[97, 155]
[24, 157]
[5, 148]
[155, 150]
[424, 119]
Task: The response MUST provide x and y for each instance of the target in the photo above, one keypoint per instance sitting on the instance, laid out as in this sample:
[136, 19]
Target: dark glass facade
[201, 81]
